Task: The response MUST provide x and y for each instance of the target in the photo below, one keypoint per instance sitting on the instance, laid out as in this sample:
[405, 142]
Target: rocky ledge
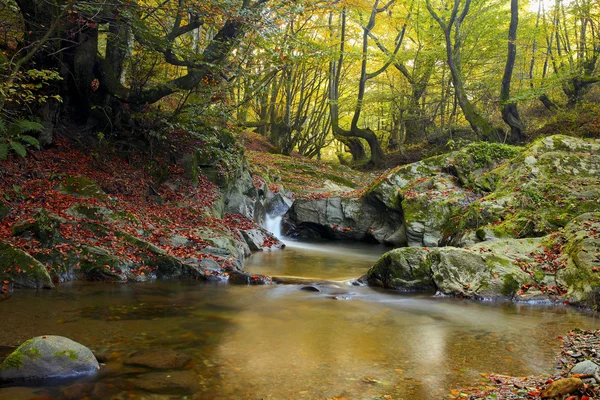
[489, 221]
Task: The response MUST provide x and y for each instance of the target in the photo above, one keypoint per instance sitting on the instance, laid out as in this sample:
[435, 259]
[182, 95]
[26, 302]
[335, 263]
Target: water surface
[280, 342]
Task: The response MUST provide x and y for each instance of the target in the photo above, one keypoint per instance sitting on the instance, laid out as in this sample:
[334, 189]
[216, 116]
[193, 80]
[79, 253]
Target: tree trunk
[510, 112]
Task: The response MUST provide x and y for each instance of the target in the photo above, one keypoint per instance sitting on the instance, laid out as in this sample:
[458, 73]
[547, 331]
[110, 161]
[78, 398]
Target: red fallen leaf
[5, 288]
[6, 282]
[534, 393]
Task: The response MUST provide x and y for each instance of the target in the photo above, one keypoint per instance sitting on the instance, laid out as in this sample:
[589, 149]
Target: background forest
[316, 77]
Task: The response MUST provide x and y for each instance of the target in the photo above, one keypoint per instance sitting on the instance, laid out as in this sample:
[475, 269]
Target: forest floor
[125, 195]
[301, 175]
[577, 346]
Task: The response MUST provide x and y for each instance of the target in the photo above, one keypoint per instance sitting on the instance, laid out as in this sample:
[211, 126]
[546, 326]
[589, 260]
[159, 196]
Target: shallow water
[279, 342]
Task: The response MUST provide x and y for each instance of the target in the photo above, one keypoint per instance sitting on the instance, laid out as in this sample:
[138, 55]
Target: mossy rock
[82, 187]
[93, 213]
[403, 269]
[21, 269]
[47, 357]
[538, 192]
[4, 211]
[580, 241]
[96, 263]
[471, 274]
[44, 228]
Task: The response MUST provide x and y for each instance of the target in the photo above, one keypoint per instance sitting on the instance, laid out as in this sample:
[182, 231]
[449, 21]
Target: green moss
[31, 273]
[13, 361]
[72, 355]
[44, 228]
[4, 211]
[33, 352]
[509, 286]
[83, 187]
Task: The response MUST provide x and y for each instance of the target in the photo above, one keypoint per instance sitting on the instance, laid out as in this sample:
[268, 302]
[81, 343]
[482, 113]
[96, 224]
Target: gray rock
[256, 239]
[260, 213]
[586, 367]
[159, 359]
[244, 278]
[277, 203]
[48, 357]
[365, 219]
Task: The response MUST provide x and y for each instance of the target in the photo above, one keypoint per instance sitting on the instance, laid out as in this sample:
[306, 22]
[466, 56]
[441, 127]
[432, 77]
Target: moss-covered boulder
[553, 181]
[405, 269]
[96, 263]
[472, 274]
[47, 357]
[20, 269]
[92, 213]
[429, 193]
[42, 226]
[82, 187]
[580, 245]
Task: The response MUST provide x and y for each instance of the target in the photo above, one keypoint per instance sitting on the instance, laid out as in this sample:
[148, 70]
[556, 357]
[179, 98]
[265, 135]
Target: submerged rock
[159, 359]
[310, 288]
[171, 382]
[48, 357]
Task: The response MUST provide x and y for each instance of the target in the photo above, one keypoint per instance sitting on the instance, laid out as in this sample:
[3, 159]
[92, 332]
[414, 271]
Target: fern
[31, 140]
[13, 136]
[18, 148]
[22, 126]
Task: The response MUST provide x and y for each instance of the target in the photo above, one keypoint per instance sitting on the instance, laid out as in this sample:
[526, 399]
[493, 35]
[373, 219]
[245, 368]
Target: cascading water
[273, 225]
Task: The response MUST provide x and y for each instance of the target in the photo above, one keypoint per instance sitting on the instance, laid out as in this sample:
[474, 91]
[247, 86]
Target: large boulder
[20, 269]
[365, 219]
[579, 258]
[550, 183]
[405, 269]
[47, 357]
[433, 191]
[471, 274]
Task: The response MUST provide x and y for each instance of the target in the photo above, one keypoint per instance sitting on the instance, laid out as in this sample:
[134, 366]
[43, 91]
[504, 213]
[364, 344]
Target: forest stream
[281, 342]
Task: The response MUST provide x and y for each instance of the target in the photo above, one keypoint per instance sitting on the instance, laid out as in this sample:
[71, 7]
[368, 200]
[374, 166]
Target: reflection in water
[278, 342]
[325, 260]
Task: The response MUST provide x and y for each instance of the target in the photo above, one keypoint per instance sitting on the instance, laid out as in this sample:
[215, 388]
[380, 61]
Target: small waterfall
[273, 225]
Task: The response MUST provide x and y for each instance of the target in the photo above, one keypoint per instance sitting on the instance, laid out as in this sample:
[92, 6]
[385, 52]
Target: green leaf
[3, 151]
[31, 140]
[24, 125]
[18, 148]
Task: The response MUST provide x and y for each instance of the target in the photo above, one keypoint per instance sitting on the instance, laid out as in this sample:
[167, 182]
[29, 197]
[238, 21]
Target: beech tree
[89, 42]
